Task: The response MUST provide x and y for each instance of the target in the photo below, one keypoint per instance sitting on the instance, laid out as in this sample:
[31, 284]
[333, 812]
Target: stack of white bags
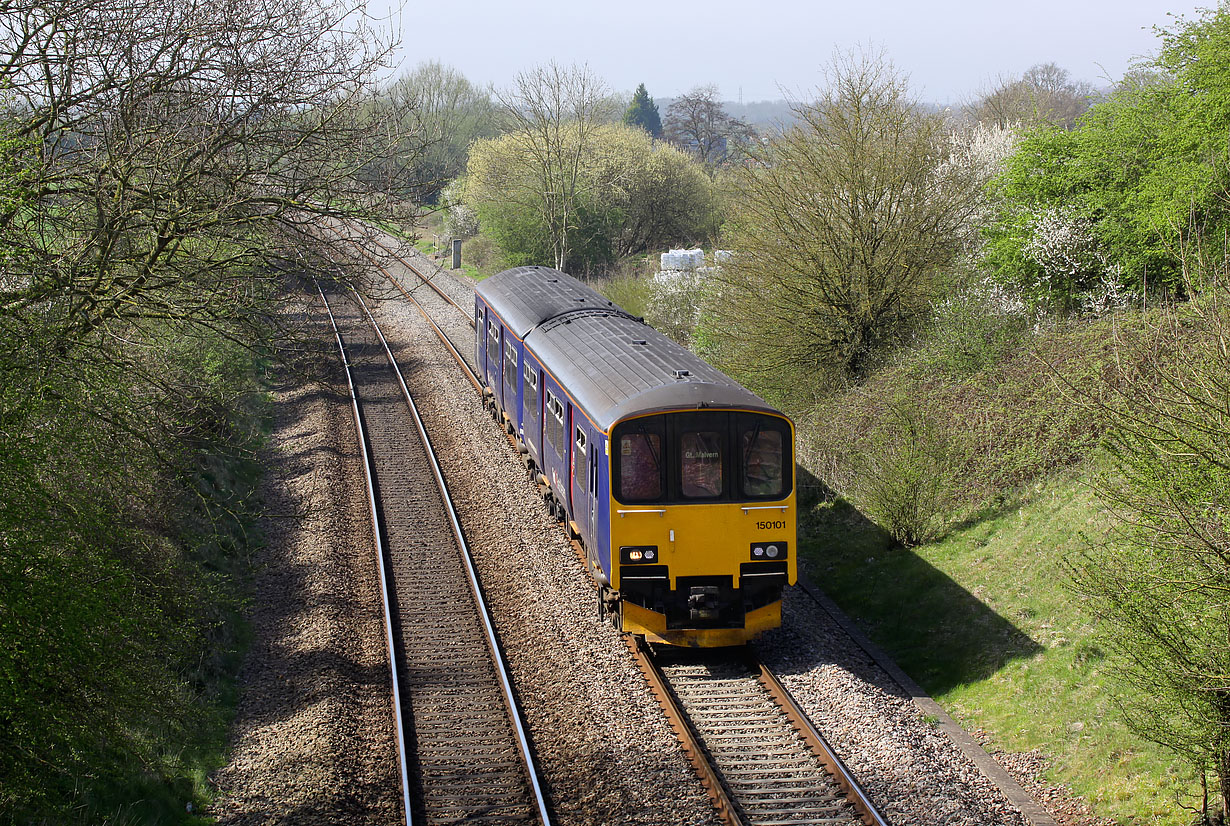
[683, 259]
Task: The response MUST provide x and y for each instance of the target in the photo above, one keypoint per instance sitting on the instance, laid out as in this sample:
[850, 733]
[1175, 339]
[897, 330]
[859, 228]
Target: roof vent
[640, 341]
[681, 374]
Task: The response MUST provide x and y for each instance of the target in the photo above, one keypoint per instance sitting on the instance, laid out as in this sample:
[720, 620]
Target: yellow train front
[703, 520]
[678, 482]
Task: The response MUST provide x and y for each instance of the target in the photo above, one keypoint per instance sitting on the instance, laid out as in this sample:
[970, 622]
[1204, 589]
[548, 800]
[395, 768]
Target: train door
[511, 373]
[594, 450]
[555, 450]
[582, 507]
[531, 410]
[480, 335]
[492, 359]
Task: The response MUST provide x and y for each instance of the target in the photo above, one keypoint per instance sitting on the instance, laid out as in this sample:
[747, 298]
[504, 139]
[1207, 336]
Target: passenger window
[493, 341]
[510, 367]
[762, 462]
[579, 460]
[640, 469]
[531, 391]
[701, 464]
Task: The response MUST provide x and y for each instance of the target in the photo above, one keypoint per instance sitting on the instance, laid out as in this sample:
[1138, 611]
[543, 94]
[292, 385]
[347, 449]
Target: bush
[975, 328]
[628, 288]
[904, 475]
[674, 304]
[484, 254]
[1158, 583]
[122, 561]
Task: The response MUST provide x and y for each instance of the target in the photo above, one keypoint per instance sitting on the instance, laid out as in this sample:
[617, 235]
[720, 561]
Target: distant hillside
[765, 115]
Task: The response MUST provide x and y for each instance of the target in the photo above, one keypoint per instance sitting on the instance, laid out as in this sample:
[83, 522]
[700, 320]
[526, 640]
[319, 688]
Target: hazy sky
[755, 48]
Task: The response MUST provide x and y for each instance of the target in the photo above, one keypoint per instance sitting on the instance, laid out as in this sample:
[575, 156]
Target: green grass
[984, 617]
[630, 290]
[985, 622]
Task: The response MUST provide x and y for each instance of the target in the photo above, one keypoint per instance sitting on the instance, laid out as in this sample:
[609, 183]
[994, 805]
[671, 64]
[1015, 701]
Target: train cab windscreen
[701, 457]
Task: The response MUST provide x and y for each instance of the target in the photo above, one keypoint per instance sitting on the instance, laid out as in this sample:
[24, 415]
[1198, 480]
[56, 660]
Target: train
[677, 482]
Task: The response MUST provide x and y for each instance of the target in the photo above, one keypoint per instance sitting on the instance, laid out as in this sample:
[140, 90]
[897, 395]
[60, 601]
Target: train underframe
[700, 611]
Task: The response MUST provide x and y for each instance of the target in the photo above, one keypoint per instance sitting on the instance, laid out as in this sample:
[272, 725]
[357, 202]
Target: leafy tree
[1137, 183]
[632, 195]
[653, 194]
[697, 123]
[643, 112]
[841, 228]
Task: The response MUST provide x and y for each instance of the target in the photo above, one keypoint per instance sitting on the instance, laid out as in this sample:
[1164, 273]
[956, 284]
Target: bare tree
[172, 149]
[697, 123]
[841, 226]
[160, 160]
[440, 113]
[1044, 94]
[551, 114]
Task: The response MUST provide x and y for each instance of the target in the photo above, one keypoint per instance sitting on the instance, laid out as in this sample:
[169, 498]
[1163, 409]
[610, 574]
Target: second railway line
[465, 751]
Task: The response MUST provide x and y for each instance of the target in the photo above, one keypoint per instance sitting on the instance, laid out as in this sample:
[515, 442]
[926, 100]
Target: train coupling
[704, 602]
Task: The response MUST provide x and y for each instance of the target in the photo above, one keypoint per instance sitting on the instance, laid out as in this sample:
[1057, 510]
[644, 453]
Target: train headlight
[771, 552]
[757, 551]
[638, 554]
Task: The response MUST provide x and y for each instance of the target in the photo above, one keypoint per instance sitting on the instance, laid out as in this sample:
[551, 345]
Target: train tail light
[768, 550]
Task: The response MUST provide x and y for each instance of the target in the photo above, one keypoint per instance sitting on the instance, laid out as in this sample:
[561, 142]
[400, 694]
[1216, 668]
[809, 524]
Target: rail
[484, 612]
[380, 559]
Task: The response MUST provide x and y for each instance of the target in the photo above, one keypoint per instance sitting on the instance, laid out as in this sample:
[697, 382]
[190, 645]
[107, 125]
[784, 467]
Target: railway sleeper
[795, 773]
[767, 787]
[794, 801]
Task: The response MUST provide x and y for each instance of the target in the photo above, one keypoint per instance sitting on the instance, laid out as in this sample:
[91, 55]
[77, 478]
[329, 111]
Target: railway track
[761, 759]
[447, 304]
[464, 752]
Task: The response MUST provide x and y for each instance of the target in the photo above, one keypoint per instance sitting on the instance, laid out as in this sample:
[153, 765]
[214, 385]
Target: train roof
[612, 364]
[616, 366]
[527, 296]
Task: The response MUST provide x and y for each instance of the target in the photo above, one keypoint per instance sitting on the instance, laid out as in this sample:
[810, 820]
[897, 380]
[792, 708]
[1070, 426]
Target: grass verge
[985, 622]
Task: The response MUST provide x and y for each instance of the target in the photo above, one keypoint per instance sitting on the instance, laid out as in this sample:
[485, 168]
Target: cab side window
[762, 462]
